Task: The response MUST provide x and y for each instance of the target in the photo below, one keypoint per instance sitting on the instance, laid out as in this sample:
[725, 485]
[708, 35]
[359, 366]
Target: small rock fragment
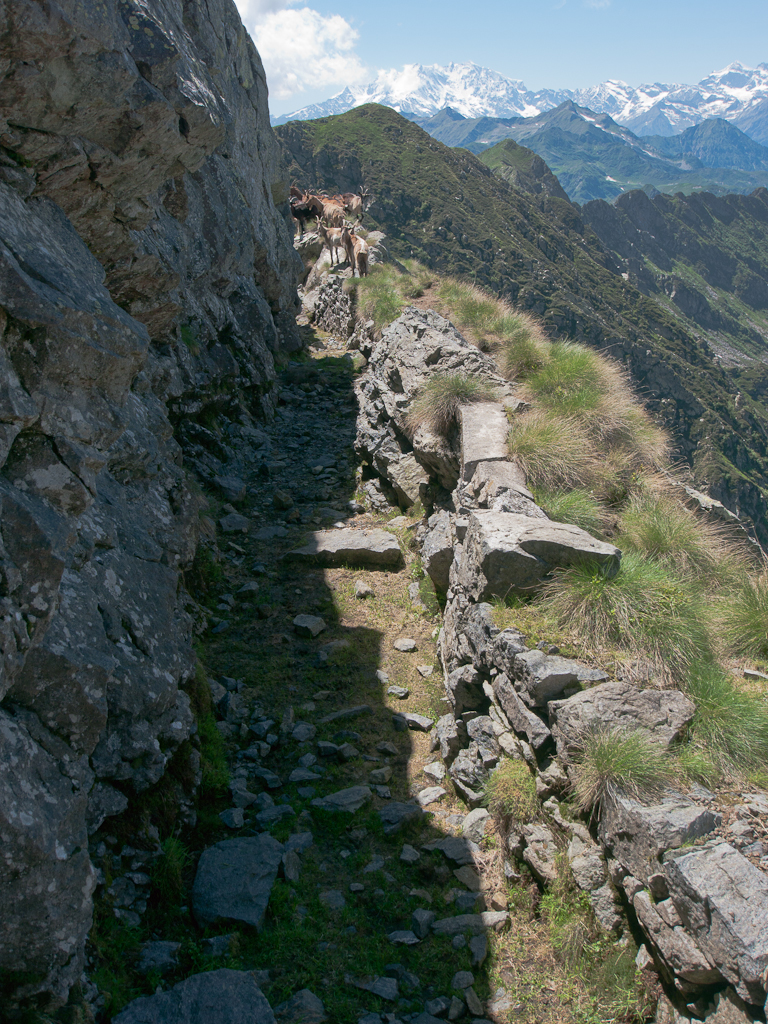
[421, 922]
[233, 817]
[308, 625]
[436, 771]
[409, 855]
[333, 899]
[430, 795]
[404, 644]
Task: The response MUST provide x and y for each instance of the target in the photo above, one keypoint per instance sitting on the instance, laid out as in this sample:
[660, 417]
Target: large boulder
[234, 880]
[468, 635]
[674, 945]
[46, 877]
[213, 997]
[505, 553]
[543, 677]
[638, 833]
[722, 900]
[663, 714]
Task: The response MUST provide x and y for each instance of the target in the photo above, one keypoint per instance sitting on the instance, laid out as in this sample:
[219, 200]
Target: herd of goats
[329, 213]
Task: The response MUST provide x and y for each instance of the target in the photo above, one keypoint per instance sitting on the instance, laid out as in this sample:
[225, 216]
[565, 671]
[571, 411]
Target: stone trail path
[324, 681]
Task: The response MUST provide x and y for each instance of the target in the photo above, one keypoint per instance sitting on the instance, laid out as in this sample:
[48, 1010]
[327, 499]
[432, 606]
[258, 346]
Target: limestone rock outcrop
[146, 275]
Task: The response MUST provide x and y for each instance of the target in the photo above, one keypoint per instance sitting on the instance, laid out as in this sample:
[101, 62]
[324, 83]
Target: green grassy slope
[445, 208]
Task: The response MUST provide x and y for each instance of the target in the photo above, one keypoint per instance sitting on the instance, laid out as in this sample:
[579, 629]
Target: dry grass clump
[517, 336]
[646, 610]
[437, 404]
[615, 760]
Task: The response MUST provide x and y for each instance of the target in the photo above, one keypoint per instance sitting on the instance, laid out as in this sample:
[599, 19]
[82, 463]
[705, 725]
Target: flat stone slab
[723, 902]
[351, 547]
[385, 988]
[456, 848]
[349, 800]
[419, 723]
[395, 813]
[213, 997]
[507, 553]
[335, 716]
[234, 880]
[403, 938]
[474, 923]
[484, 430]
[663, 714]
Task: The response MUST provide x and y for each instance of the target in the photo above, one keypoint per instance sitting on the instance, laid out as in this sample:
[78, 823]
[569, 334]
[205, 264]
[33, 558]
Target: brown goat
[361, 256]
[349, 247]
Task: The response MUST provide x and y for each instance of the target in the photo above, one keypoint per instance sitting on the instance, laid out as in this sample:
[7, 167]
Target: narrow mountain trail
[305, 716]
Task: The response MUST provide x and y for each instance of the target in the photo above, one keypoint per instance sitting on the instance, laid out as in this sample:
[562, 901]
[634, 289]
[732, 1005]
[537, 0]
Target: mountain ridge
[736, 92]
[595, 158]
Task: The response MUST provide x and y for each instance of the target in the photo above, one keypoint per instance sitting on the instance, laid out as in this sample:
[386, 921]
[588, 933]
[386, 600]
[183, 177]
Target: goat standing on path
[334, 239]
[360, 247]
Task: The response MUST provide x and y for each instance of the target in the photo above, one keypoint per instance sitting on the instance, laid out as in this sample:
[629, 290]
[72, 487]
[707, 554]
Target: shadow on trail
[313, 712]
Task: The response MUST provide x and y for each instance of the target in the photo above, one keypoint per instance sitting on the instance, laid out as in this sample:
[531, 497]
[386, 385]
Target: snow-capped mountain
[737, 93]
[422, 90]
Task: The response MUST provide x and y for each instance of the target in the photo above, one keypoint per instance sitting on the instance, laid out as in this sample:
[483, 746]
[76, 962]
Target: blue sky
[312, 50]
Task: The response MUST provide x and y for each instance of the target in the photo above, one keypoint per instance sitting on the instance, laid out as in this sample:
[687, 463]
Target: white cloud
[302, 49]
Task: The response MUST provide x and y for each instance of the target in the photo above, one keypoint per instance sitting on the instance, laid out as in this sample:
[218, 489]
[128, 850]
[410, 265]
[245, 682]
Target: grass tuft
[646, 610]
[579, 507]
[657, 524]
[730, 727]
[510, 794]
[744, 618]
[618, 760]
[552, 451]
[493, 323]
[437, 404]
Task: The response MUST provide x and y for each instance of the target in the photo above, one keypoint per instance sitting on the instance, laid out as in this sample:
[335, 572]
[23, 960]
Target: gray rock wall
[146, 275]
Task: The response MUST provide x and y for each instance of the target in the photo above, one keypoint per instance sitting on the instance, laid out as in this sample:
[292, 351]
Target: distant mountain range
[737, 93]
[596, 158]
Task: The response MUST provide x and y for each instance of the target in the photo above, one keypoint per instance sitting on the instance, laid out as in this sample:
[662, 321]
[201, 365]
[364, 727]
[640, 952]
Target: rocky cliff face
[146, 276]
